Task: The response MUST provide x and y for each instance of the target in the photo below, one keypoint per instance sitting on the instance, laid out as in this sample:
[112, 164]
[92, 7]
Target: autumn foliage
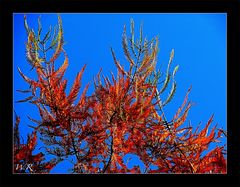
[125, 114]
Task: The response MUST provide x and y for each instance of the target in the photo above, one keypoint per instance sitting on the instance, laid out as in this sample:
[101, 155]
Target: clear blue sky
[199, 41]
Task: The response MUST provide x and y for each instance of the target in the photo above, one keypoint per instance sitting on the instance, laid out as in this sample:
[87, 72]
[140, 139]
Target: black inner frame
[232, 8]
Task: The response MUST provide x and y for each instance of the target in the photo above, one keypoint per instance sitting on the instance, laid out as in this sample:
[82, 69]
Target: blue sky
[199, 41]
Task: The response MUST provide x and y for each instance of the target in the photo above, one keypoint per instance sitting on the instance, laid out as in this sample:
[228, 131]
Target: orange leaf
[76, 86]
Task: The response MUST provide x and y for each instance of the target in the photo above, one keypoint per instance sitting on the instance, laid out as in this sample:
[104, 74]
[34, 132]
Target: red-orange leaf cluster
[24, 159]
